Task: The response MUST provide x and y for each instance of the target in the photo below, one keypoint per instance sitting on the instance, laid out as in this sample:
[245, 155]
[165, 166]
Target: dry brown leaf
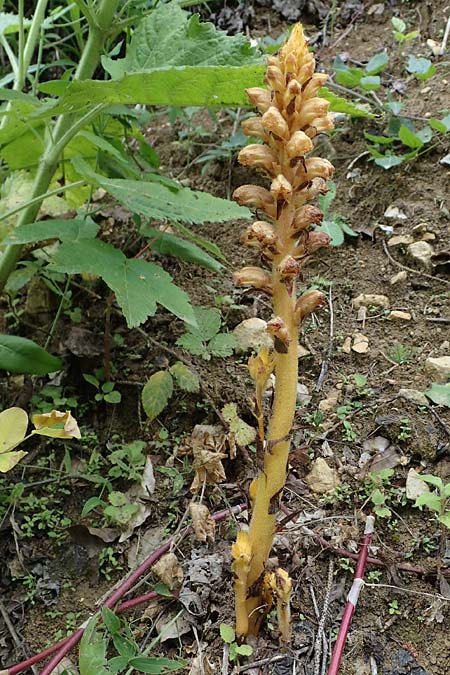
[206, 445]
[204, 526]
[169, 571]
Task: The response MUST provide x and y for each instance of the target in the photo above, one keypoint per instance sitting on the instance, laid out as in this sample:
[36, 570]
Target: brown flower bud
[316, 240]
[316, 82]
[288, 268]
[314, 107]
[291, 63]
[304, 217]
[256, 196]
[307, 303]
[306, 71]
[292, 97]
[258, 155]
[275, 78]
[260, 367]
[253, 127]
[261, 98]
[255, 277]
[318, 167]
[273, 60]
[298, 145]
[281, 188]
[260, 234]
[274, 122]
[319, 125]
[280, 333]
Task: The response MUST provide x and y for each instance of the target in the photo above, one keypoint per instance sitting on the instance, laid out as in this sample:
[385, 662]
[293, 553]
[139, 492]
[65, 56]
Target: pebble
[322, 478]
[413, 395]
[331, 401]
[303, 395]
[398, 315]
[347, 345]
[366, 299]
[414, 486]
[393, 211]
[398, 278]
[252, 334]
[400, 240]
[420, 252]
[360, 343]
[440, 366]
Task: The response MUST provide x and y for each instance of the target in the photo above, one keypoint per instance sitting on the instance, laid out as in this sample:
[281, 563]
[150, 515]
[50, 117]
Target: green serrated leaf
[431, 480]
[138, 284]
[222, 345]
[65, 230]
[227, 633]
[440, 394]
[186, 378]
[209, 320]
[169, 244]
[339, 104]
[20, 355]
[193, 344]
[92, 653]
[156, 393]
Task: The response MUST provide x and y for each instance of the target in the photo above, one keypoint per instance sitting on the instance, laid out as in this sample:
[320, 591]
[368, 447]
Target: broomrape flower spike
[291, 115]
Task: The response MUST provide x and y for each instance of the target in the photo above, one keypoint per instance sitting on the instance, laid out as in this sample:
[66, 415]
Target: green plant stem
[21, 65]
[49, 161]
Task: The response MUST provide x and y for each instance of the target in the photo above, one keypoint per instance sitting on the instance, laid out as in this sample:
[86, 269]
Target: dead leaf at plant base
[207, 444]
[204, 526]
[169, 571]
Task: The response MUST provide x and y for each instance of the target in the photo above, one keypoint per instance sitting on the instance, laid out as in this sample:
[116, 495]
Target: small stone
[252, 334]
[444, 346]
[428, 236]
[414, 486]
[303, 395]
[398, 278]
[445, 161]
[397, 315]
[360, 343]
[347, 345]
[413, 395]
[420, 252]
[322, 478]
[425, 90]
[367, 299]
[434, 46]
[440, 366]
[331, 402]
[400, 240]
[394, 212]
[302, 351]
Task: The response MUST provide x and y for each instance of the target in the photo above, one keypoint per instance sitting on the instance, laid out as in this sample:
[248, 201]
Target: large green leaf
[169, 244]
[168, 37]
[339, 104]
[65, 230]
[439, 393]
[19, 355]
[138, 284]
[156, 200]
[156, 393]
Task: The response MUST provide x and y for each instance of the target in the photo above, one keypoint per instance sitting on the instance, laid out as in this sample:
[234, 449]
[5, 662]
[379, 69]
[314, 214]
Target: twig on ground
[445, 38]
[326, 361]
[399, 589]
[12, 631]
[410, 269]
[352, 598]
[321, 647]
[270, 659]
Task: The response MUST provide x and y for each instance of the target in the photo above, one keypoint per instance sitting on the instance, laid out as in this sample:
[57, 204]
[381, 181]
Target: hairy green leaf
[169, 244]
[20, 355]
[92, 654]
[156, 393]
[194, 345]
[138, 284]
[222, 344]
[209, 320]
[420, 67]
[65, 230]
[186, 378]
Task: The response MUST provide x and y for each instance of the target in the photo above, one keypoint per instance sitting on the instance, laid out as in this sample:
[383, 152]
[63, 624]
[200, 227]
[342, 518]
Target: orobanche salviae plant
[291, 115]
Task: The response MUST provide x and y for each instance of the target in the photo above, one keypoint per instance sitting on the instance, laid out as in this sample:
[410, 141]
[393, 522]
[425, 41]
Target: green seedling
[393, 608]
[228, 635]
[399, 353]
[400, 33]
[437, 501]
[105, 390]
[159, 388]
[206, 340]
[366, 78]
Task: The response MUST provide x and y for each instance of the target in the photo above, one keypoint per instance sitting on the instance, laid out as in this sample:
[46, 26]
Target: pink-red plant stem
[352, 599]
[63, 647]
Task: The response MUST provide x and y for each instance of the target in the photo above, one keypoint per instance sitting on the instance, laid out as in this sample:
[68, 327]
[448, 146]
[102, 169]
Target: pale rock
[322, 478]
[398, 278]
[347, 345]
[420, 252]
[413, 395]
[365, 457]
[360, 343]
[444, 346]
[303, 395]
[428, 236]
[434, 46]
[394, 212]
[252, 334]
[397, 315]
[366, 299]
[440, 366]
[414, 486]
[400, 240]
[302, 351]
[331, 402]
[425, 90]
[445, 161]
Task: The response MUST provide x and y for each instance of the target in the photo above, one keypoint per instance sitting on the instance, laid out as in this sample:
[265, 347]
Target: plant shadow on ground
[402, 629]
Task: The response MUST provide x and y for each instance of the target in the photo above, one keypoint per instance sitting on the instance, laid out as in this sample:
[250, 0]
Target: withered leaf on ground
[207, 444]
[169, 571]
[204, 526]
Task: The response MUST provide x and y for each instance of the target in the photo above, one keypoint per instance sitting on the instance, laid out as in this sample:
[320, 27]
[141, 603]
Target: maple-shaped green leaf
[194, 345]
[209, 320]
[186, 378]
[439, 393]
[243, 432]
[222, 344]
[156, 393]
[138, 284]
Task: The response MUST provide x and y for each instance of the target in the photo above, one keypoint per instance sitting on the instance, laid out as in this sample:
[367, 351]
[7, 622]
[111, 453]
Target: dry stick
[326, 361]
[64, 646]
[320, 631]
[410, 269]
[352, 598]
[445, 38]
